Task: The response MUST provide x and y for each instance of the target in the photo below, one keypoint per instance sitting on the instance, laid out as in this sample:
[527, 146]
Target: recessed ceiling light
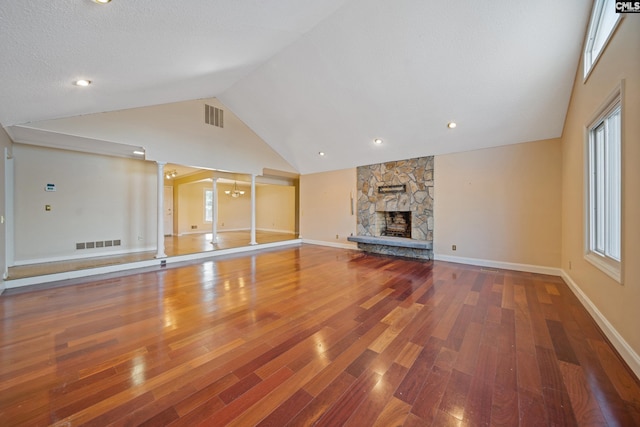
[321, 153]
[102, 1]
[451, 125]
[377, 141]
[82, 82]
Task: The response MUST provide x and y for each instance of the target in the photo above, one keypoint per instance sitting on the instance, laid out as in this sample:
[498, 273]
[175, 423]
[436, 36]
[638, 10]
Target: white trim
[9, 192]
[624, 349]
[237, 229]
[606, 265]
[610, 267]
[160, 211]
[331, 244]
[529, 268]
[16, 283]
[92, 254]
[194, 232]
[275, 230]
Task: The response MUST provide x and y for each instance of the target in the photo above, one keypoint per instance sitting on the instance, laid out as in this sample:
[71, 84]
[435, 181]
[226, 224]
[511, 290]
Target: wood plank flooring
[310, 336]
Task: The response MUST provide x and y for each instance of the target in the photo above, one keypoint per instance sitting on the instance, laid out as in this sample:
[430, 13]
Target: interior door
[168, 211]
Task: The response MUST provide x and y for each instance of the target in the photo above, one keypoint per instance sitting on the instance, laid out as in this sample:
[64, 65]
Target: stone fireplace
[395, 208]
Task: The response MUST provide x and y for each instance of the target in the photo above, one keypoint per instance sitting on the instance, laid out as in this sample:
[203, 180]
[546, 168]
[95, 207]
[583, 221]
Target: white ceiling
[306, 76]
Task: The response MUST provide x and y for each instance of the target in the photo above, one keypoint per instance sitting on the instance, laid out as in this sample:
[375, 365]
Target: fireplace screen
[397, 224]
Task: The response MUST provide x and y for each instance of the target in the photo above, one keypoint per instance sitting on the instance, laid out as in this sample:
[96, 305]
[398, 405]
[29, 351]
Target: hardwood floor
[310, 335]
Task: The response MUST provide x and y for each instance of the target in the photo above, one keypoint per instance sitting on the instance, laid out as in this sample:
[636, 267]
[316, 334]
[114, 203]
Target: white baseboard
[529, 268]
[331, 244]
[626, 352]
[203, 231]
[274, 230]
[88, 253]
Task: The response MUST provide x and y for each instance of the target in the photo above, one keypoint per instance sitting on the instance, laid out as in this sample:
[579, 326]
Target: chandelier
[235, 193]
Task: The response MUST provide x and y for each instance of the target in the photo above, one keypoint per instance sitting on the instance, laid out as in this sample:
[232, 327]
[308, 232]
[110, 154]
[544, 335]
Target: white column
[7, 218]
[253, 211]
[160, 253]
[214, 211]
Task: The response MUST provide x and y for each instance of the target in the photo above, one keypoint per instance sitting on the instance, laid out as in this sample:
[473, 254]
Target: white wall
[165, 130]
[276, 208]
[500, 204]
[97, 198]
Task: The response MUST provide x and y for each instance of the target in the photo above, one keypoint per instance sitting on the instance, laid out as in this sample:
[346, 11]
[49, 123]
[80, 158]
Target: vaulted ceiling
[306, 76]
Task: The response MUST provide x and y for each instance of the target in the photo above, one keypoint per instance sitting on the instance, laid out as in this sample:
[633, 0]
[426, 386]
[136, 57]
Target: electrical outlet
[453, 247]
[337, 236]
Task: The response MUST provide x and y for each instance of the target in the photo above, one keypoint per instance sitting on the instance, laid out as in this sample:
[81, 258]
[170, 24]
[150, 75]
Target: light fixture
[451, 125]
[235, 193]
[102, 1]
[138, 153]
[321, 153]
[171, 174]
[82, 82]
[377, 141]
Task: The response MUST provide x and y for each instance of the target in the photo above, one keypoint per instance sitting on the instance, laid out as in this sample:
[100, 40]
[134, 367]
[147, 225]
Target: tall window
[208, 205]
[605, 182]
[604, 20]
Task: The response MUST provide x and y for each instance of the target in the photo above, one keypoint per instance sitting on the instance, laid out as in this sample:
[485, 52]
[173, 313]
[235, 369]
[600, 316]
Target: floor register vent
[98, 244]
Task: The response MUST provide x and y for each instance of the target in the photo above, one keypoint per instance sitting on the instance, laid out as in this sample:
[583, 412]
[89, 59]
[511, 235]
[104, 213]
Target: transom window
[604, 20]
[604, 246]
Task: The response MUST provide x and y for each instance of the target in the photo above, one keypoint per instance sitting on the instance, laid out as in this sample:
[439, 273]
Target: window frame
[594, 29]
[607, 264]
[204, 203]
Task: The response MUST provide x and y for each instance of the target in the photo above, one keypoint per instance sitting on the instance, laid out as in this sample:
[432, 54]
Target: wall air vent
[213, 116]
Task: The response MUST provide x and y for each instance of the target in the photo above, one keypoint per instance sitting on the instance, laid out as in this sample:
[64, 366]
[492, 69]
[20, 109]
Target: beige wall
[619, 304]
[276, 208]
[325, 206]
[234, 214]
[500, 204]
[97, 198]
[191, 208]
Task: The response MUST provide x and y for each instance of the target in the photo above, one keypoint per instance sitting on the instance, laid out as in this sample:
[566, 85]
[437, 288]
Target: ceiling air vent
[213, 116]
